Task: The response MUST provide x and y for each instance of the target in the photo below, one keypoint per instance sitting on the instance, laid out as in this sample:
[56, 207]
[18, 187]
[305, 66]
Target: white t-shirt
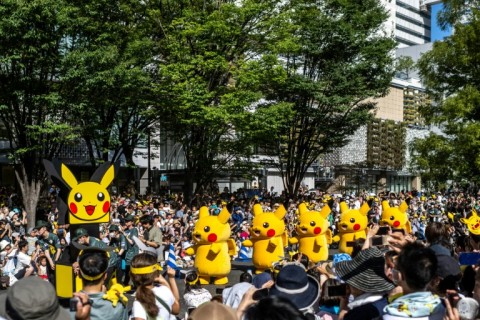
[162, 292]
[23, 261]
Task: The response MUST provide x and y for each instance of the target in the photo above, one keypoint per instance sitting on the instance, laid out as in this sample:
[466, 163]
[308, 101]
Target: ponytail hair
[191, 281]
[143, 294]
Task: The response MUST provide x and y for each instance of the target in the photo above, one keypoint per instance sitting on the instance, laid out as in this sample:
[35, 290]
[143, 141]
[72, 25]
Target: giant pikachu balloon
[313, 234]
[212, 246]
[267, 237]
[352, 226]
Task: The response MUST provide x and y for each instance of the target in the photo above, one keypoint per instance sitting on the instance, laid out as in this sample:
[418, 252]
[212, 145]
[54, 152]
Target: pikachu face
[267, 224]
[88, 202]
[312, 223]
[393, 216]
[473, 223]
[210, 229]
[353, 220]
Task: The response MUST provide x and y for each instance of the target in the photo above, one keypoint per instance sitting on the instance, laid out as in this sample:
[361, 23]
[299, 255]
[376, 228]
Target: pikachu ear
[325, 211]
[257, 209]
[203, 212]
[343, 207]
[364, 209]
[224, 215]
[403, 207]
[385, 205]
[474, 212]
[68, 176]
[464, 221]
[280, 212]
[302, 208]
[108, 177]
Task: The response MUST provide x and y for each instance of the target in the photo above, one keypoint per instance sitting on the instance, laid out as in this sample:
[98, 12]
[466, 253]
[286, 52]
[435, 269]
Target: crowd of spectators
[417, 275]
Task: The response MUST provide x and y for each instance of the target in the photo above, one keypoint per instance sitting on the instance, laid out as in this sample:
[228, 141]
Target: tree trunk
[30, 189]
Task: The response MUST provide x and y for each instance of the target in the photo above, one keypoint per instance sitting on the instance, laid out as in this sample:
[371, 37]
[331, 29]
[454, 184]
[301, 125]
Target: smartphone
[337, 291]
[260, 294]
[73, 304]
[399, 231]
[469, 258]
[383, 231]
[378, 241]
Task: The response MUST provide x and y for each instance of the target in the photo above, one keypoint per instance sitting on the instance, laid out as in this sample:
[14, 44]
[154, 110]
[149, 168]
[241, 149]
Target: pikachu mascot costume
[396, 218]
[212, 246]
[352, 226]
[313, 234]
[472, 223]
[267, 237]
[81, 205]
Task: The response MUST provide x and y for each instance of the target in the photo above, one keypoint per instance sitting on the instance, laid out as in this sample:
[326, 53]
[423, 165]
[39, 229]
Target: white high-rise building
[410, 21]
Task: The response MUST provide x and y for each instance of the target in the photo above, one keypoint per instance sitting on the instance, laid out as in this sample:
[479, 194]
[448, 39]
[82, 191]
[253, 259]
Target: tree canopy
[451, 74]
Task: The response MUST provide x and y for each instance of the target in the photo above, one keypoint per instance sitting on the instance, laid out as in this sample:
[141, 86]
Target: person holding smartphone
[369, 287]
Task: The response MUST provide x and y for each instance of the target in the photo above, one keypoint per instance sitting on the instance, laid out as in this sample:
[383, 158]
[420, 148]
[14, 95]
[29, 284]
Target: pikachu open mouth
[90, 210]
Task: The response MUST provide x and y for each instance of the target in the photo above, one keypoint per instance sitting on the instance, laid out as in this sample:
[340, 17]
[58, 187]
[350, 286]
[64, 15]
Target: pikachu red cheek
[73, 208]
[106, 206]
[271, 233]
[396, 224]
[212, 237]
[356, 227]
[317, 230]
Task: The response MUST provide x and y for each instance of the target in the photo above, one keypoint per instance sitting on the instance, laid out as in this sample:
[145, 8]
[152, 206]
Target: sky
[437, 33]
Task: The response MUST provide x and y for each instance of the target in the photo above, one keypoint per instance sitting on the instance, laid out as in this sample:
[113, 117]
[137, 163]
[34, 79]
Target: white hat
[10, 215]
[4, 244]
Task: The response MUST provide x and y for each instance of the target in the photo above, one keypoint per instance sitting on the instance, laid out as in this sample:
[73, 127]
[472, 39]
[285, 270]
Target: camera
[73, 304]
[378, 241]
[382, 231]
[337, 291]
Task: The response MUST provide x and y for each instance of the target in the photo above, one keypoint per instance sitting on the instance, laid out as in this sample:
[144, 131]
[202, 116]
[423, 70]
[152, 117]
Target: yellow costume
[212, 246]
[267, 237]
[313, 234]
[473, 223]
[396, 218]
[352, 226]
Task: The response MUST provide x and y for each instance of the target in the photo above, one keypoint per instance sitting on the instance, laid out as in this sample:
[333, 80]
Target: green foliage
[451, 73]
[432, 158]
[334, 57]
[205, 79]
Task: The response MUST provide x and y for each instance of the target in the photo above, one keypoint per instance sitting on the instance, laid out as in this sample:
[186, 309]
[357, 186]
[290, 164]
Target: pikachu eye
[266, 225]
[392, 217]
[78, 197]
[100, 196]
[352, 220]
[312, 223]
[206, 229]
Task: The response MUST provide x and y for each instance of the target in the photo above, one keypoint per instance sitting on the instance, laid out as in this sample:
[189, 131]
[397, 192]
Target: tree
[333, 57]
[433, 160]
[105, 76]
[451, 73]
[203, 72]
[31, 109]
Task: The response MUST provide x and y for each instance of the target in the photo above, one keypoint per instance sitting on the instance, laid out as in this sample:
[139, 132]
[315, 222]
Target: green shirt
[104, 310]
[131, 250]
[50, 243]
[97, 243]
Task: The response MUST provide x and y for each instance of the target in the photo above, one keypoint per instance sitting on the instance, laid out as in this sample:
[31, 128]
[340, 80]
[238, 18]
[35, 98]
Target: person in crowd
[155, 297]
[93, 265]
[213, 311]
[128, 248]
[152, 236]
[366, 282]
[233, 295]
[50, 245]
[415, 268]
[194, 294]
[83, 238]
[24, 267]
[274, 308]
[33, 298]
[293, 283]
